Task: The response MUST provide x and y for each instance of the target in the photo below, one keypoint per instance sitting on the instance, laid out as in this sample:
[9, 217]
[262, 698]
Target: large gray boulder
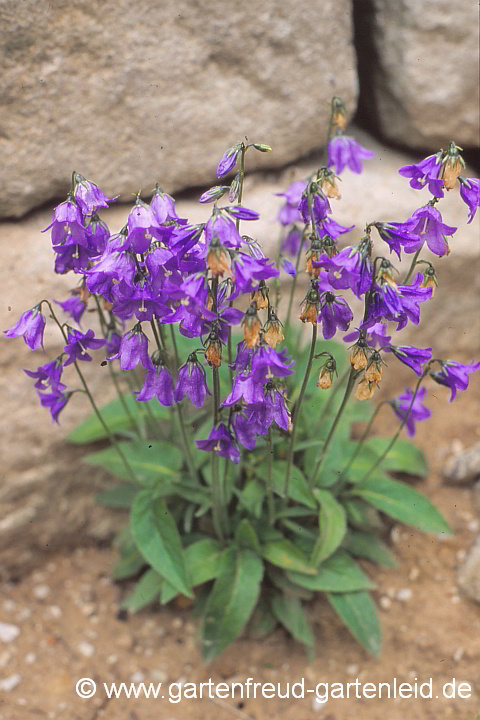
[131, 93]
[424, 71]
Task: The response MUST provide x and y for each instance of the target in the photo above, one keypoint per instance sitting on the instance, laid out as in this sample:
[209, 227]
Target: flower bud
[430, 279]
[339, 115]
[365, 390]
[310, 308]
[218, 259]
[260, 296]
[325, 377]
[272, 333]
[359, 355]
[213, 354]
[251, 326]
[373, 371]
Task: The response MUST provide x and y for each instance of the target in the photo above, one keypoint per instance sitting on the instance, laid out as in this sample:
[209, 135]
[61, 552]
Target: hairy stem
[331, 434]
[296, 413]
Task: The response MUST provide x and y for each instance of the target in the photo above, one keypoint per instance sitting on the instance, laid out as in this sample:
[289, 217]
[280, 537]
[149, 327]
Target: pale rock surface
[424, 65]
[129, 93]
[469, 573]
[46, 494]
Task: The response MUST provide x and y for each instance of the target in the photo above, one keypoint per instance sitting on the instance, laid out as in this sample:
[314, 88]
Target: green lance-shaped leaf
[401, 502]
[262, 623]
[298, 488]
[284, 554]
[232, 600]
[130, 563]
[146, 591]
[339, 573]
[246, 537]
[157, 538]
[333, 526]
[369, 546]
[116, 419]
[202, 562]
[149, 460]
[290, 612]
[119, 496]
[359, 613]
[403, 457]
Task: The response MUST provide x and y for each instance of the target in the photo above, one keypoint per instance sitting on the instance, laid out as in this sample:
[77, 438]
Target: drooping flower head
[55, 400]
[78, 343]
[221, 441]
[290, 213]
[470, 194]
[192, 381]
[88, 195]
[31, 325]
[158, 384]
[430, 229]
[414, 357]
[454, 375]
[228, 161]
[413, 412]
[334, 313]
[344, 151]
[74, 306]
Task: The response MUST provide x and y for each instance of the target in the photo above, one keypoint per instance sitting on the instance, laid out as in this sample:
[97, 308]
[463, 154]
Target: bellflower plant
[237, 445]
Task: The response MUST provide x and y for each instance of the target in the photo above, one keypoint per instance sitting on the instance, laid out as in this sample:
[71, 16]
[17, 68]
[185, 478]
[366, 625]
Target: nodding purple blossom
[426, 172]
[454, 375]
[320, 208]
[67, 226]
[31, 326]
[331, 227]
[143, 227]
[78, 343]
[55, 401]
[293, 240]
[89, 196]
[430, 229]
[74, 306]
[97, 235]
[344, 151]
[413, 412]
[228, 161]
[398, 235]
[470, 194]
[241, 213]
[350, 268]
[47, 375]
[158, 384]
[289, 267]
[414, 357]
[399, 303]
[164, 208]
[222, 442]
[192, 381]
[290, 213]
[133, 350]
[334, 313]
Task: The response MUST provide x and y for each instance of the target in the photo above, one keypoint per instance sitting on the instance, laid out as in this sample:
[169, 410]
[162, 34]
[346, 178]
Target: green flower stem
[97, 412]
[328, 405]
[296, 413]
[277, 265]
[412, 266]
[270, 499]
[178, 407]
[218, 505]
[113, 376]
[402, 425]
[323, 454]
[362, 439]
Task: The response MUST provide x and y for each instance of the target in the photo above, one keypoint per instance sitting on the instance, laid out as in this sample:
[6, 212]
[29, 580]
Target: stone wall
[131, 93]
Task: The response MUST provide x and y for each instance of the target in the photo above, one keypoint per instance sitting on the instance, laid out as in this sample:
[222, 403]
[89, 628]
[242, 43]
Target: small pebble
[9, 605]
[112, 659]
[11, 682]
[30, 658]
[390, 592]
[8, 632]
[55, 612]
[24, 614]
[473, 526]
[41, 592]
[395, 535]
[458, 654]
[461, 555]
[352, 670]
[455, 599]
[177, 623]
[404, 595]
[5, 658]
[88, 609]
[137, 677]
[414, 574]
[86, 649]
[385, 602]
